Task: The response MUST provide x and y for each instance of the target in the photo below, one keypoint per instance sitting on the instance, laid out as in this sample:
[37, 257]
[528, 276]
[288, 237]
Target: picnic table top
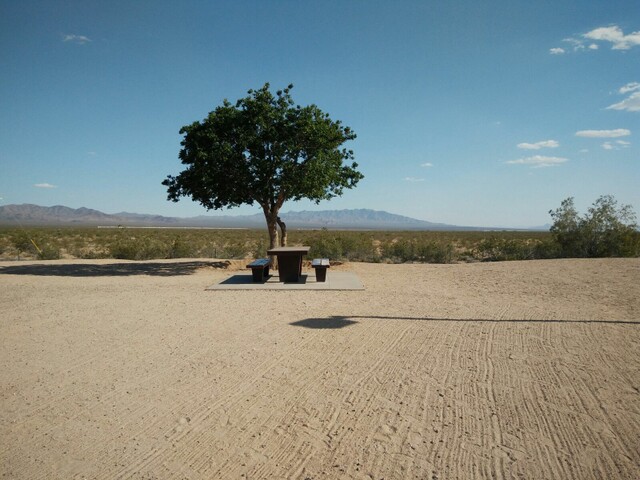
[274, 251]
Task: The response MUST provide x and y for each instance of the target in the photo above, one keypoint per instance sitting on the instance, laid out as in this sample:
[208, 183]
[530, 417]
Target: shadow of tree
[329, 322]
[341, 322]
[163, 269]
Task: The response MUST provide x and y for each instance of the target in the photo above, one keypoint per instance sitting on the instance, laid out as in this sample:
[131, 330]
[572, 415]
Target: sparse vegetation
[358, 246]
[606, 230]
[423, 250]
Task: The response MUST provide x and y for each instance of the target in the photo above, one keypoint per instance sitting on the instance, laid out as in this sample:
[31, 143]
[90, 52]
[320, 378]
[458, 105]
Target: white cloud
[614, 35]
[44, 185]
[618, 145]
[584, 150]
[630, 104]
[629, 87]
[539, 145]
[539, 161]
[577, 44]
[619, 132]
[427, 164]
[413, 179]
[79, 39]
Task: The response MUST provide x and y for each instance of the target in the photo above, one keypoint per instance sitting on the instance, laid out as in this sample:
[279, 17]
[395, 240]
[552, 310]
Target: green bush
[180, 249]
[48, 252]
[21, 241]
[495, 249]
[139, 248]
[359, 247]
[350, 246]
[431, 252]
[259, 248]
[235, 249]
[417, 250]
[546, 249]
[605, 231]
[326, 246]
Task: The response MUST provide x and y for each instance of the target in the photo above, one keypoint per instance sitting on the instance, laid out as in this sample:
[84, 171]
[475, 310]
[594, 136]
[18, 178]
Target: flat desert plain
[515, 370]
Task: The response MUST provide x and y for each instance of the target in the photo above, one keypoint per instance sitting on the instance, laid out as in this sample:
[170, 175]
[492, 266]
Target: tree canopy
[606, 230]
[265, 150]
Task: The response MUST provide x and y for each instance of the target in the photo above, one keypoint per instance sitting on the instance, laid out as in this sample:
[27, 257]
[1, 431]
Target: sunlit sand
[486, 370]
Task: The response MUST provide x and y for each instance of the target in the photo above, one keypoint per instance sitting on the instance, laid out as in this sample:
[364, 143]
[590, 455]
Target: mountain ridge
[346, 219]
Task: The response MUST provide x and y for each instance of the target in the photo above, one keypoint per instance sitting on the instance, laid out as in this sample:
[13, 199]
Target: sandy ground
[498, 371]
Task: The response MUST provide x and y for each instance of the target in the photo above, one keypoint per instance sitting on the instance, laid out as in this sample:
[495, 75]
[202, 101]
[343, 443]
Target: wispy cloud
[539, 161]
[614, 35]
[576, 44]
[611, 34]
[44, 185]
[413, 179]
[426, 165]
[619, 132]
[539, 145]
[617, 145]
[79, 39]
[632, 102]
[629, 87]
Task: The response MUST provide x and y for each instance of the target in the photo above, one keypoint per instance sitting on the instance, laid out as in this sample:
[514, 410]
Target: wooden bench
[260, 269]
[320, 265]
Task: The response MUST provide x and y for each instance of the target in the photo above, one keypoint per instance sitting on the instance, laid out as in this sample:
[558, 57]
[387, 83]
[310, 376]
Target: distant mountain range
[361, 219]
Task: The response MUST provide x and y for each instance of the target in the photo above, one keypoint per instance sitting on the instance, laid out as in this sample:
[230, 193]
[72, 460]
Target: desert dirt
[514, 370]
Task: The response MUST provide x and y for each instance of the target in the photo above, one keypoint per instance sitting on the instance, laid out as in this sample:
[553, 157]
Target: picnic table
[289, 262]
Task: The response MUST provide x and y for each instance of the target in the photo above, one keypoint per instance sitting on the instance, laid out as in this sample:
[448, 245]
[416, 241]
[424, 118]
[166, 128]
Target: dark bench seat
[320, 265]
[260, 269]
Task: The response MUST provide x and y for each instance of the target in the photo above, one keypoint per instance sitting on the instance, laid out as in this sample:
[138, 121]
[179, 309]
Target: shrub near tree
[606, 230]
[264, 150]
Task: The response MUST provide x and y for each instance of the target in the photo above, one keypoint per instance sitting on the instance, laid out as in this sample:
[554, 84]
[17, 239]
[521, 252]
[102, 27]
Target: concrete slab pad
[335, 281]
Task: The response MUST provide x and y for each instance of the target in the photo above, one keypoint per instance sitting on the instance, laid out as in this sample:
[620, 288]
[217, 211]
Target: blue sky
[470, 113]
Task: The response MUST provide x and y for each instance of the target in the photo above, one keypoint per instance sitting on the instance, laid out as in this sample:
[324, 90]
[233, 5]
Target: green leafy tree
[566, 228]
[607, 230]
[264, 150]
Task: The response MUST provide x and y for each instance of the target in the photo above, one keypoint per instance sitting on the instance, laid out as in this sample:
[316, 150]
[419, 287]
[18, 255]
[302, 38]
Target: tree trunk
[270, 211]
[272, 228]
[283, 231]
[271, 217]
